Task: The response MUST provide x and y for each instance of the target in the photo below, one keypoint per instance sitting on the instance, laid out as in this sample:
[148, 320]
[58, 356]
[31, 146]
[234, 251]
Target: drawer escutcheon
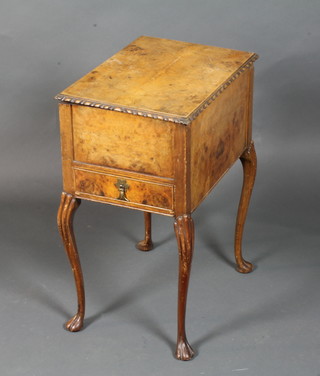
[122, 186]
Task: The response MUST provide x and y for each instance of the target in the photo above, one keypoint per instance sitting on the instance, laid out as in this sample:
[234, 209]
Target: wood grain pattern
[250, 104]
[139, 192]
[67, 208]
[65, 118]
[147, 78]
[184, 229]
[119, 140]
[249, 163]
[218, 137]
[181, 161]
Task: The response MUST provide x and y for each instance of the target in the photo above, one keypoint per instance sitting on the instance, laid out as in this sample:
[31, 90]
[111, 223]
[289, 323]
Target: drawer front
[123, 191]
[125, 141]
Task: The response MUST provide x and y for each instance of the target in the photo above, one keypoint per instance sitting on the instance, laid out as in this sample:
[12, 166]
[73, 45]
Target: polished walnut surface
[159, 77]
[154, 128]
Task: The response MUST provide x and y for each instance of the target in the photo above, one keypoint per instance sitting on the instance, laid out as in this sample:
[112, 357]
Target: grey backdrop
[265, 323]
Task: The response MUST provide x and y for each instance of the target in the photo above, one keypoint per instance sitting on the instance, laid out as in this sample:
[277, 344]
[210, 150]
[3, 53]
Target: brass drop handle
[122, 186]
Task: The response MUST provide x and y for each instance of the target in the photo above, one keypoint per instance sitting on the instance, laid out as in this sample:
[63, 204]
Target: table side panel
[218, 137]
[118, 140]
[250, 103]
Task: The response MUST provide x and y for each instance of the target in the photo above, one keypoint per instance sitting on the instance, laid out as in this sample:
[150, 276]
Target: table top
[160, 78]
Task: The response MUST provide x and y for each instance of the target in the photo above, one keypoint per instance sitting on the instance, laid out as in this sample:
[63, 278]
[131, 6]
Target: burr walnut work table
[154, 128]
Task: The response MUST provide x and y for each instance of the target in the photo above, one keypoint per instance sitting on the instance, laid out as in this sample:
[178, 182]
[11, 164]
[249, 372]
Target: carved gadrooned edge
[154, 115]
[111, 107]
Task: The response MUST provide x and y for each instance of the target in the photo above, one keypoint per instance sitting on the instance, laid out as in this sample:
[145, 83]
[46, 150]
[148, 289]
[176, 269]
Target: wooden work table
[154, 128]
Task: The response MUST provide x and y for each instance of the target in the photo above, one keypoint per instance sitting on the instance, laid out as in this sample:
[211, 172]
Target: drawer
[123, 191]
[122, 141]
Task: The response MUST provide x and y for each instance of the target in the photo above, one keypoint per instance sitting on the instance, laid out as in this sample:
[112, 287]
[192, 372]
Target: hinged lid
[160, 78]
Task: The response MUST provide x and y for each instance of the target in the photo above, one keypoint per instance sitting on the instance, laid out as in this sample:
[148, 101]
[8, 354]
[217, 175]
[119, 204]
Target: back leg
[146, 244]
[249, 163]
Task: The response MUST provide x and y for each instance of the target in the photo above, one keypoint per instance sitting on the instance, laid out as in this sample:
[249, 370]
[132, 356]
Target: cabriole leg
[68, 206]
[184, 229]
[249, 163]
[146, 244]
